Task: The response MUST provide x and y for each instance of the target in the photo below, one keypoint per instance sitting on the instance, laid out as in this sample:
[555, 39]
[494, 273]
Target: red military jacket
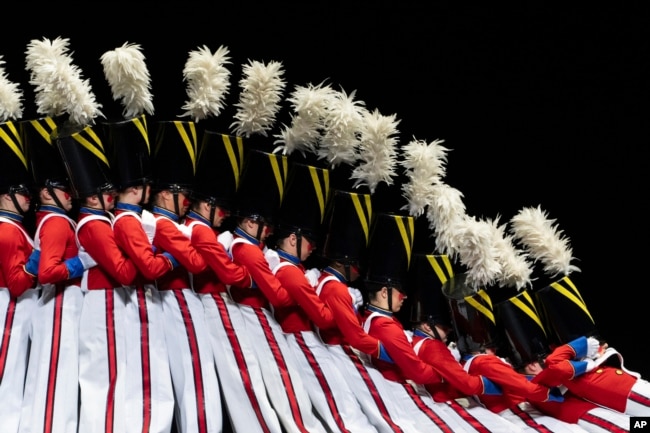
[247, 251]
[56, 238]
[221, 270]
[349, 330]
[456, 381]
[96, 236]
[132, 239]
[169, 238]
[515, 386]
[308, 309]
[607, 385]
[406, 365]
[15, 248]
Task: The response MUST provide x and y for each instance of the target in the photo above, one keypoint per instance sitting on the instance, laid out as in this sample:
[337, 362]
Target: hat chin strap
[50, 189]
[15, 202]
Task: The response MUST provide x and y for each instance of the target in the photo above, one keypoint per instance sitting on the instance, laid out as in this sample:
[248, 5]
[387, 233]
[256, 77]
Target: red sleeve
[509, 379]
[252, 257]
[557, 367]
[337, 297]
[98, 240]
[392, 336]
[169, 238]
[55, 236]
[294, 281]
[436, 354]
[131, 237]
[14, 252]
[205, 241]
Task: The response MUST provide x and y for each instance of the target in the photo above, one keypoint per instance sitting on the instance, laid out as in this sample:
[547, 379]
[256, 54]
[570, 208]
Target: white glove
[591, 364]
[149, 225]
[593, 345]
[186, 230]
[272, 258]
[86, 260]
[453, 348]
[357, 297]
[312, 276]
[225, 238]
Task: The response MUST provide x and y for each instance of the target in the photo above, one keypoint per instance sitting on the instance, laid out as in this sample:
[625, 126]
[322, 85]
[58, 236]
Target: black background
[539, 104]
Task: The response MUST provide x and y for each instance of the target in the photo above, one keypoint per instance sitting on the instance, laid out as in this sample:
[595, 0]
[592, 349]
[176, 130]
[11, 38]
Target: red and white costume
[282, 378]
[194, 378]
[102, 326]
[456, 381]
[18, 297]
[408, 374]
[149, 395]
[52, 381]
[350, 345]
[248, 405]
[609, 385]
[329, 392]
[517, 392]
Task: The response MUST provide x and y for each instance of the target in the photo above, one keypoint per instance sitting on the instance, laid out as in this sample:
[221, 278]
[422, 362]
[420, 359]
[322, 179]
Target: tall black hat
[44, 157]
[219, 168]
[175, 155]
[129, 151]
[472, 314]
[523, 338]
[303, 206]
[564, 312]
[85, 160]
[389, 250]
[347, 222]
[426, 276]
[262, 185]
[14, 168]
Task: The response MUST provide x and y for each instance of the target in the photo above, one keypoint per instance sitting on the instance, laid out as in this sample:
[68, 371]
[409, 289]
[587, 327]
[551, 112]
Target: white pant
[50, 402]
[238, 369]
[14, 348]
[329, 392]
[194, 377]
[282, 379]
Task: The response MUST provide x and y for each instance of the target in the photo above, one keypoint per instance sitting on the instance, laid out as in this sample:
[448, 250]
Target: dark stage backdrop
[539, 105]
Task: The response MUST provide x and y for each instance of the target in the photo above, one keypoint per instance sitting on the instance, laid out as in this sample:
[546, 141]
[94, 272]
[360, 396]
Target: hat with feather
[62, 93]
[15, 176]
[128, 139]
[563, 310]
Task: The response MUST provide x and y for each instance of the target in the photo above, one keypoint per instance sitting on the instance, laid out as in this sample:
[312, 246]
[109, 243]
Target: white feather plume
[261, 86]
[208, 82]
[343, 123]
[515, 269]
[59, 85]
[43, 58]
[127, 74]
[425, 166]
[477, 252]
[11, 97]
[543, 241]
[309, 104]
[377, 151]
[444, 213]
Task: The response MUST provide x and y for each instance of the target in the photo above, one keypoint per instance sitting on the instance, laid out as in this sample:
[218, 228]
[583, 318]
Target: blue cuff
[254, 284]
[580, 367]
[171, 259]
[555, 395]
[153, 248]
[75, 267]
[31, 266]
[383, 355]
[490, 388]
[579, 345]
